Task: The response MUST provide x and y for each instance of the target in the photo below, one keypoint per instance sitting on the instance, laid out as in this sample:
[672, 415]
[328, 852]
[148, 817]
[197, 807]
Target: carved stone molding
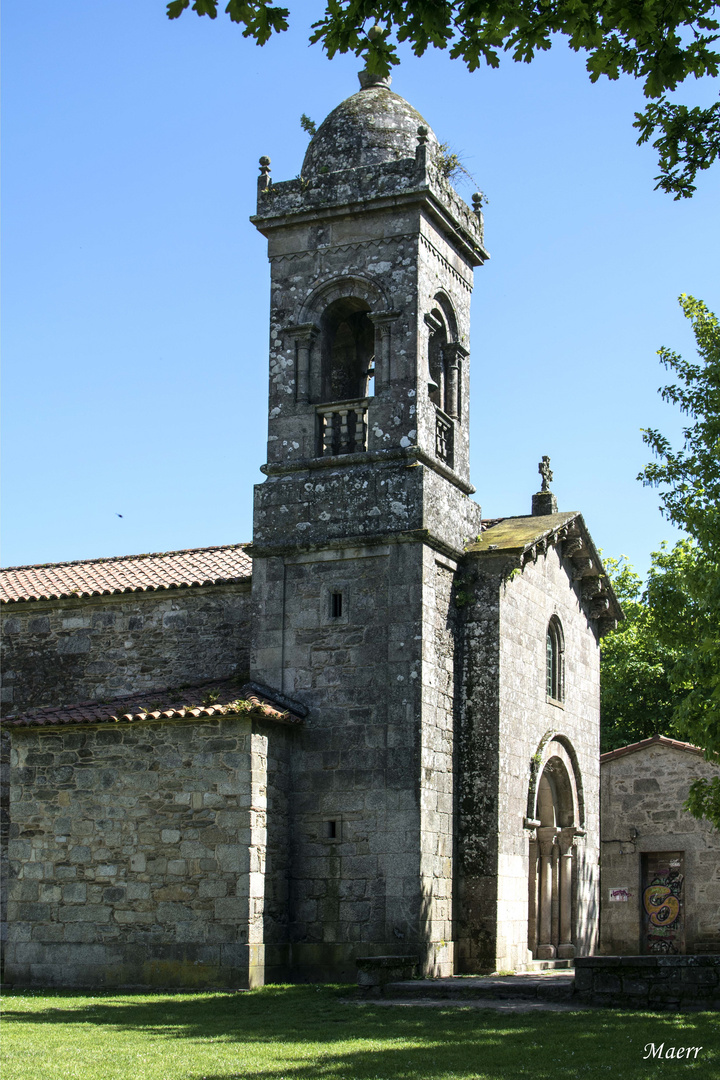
[582, 567]
[447, 265]
[572, 547]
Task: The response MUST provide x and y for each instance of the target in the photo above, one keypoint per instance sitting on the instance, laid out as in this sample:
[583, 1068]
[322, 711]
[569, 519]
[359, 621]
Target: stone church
[373, 730]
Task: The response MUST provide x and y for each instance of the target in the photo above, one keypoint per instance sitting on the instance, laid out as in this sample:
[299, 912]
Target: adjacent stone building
[391, 744]
[660, 865]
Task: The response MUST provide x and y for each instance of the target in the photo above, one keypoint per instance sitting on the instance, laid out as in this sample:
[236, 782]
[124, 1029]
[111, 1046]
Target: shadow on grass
[317, 1036]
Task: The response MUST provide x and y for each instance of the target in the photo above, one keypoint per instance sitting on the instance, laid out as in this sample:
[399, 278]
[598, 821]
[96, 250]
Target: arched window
[555, 661]
[347, 350]
[437, 360]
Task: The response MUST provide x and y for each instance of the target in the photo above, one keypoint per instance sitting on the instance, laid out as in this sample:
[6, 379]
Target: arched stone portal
[557, 824]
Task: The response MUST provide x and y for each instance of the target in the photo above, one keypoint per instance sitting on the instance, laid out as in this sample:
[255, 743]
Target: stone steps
[549, 965]
[549, 986]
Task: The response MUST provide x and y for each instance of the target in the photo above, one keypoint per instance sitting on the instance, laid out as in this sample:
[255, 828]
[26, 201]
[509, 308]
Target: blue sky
[136, 290]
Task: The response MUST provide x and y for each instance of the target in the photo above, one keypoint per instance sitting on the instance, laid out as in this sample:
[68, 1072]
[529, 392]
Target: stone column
[546, 841]
[304, 334]
[383, 373]
[453, 352]
[566, 842]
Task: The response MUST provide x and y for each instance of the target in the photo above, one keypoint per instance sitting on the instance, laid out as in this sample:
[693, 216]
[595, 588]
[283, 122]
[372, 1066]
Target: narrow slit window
[555, 661]
[336, 605]
[331, 830]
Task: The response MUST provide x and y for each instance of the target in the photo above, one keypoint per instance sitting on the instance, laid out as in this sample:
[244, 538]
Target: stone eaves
[220, 697]
[523, 539]
[519, 534]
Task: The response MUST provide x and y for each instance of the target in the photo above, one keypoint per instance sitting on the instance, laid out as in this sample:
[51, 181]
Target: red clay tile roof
[652, 741]
[221, 697]
[126, 573]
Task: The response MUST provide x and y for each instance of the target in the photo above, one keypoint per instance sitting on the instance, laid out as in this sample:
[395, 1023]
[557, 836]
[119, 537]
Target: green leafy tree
[689, 483]
[636, 693]
[660, 42]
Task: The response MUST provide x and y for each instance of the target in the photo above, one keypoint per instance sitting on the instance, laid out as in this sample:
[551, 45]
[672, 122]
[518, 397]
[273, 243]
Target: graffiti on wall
[662, 900]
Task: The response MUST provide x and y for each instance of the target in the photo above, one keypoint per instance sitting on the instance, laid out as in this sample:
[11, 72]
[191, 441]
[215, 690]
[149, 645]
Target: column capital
[566, 839]
[383, 319]
[455, 352]
[547, 835]
[305, 332]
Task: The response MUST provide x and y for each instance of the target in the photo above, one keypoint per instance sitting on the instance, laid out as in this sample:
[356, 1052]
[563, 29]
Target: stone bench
[374, 972]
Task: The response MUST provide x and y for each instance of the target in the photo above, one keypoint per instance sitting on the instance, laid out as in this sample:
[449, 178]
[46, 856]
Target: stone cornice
[410, 454]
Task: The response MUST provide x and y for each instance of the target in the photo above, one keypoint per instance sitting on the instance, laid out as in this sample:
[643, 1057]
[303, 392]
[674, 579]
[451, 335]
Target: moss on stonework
[515, 534]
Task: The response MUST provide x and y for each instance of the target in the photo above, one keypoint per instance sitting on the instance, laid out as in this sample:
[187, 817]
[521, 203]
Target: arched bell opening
[347, 351]
[445, 357]
[437, 359]
[552, 873]
[342, 376]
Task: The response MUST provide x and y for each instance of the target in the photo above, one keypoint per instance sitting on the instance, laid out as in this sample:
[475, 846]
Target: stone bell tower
[359, 524]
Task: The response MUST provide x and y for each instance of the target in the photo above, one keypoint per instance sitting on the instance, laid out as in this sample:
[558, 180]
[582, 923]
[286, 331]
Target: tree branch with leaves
[689, 483]
[660, 42]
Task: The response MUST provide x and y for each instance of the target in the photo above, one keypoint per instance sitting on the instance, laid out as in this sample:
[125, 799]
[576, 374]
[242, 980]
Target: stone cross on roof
[544, 502]
[546, 472]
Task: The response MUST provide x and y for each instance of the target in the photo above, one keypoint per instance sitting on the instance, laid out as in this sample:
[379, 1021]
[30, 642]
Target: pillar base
[565, 952]
[546, 952]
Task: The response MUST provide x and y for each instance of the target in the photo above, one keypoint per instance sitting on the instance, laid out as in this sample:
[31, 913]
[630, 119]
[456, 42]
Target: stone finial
[543, 501]
[478, 201]
[422, 134]
[368, 80]
[264, 180]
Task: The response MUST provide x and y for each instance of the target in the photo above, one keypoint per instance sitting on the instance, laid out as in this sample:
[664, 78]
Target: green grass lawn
[309, 1032]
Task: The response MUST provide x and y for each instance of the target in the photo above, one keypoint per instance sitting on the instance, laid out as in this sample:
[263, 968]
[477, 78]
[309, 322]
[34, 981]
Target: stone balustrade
[343, 427]
[444, 438]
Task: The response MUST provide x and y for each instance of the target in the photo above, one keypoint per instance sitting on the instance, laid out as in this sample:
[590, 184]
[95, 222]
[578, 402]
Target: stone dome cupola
[371, 127]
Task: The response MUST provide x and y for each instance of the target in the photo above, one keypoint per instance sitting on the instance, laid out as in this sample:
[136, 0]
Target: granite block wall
[528, 718]
[641, 795]
[507, 730]
[438, 762]
[477, 596]
[86, 648]
[655, 983]
[355, 767]
[138, 854]
[372, 771]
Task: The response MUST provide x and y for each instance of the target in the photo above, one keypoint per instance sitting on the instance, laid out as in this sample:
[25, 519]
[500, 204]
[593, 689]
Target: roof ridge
[663, 740]
[125, 558]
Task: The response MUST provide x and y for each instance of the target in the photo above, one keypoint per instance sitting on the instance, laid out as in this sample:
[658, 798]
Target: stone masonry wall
[437, 813]
[477, 597]
[355, 886]
[374, 257]
[641, 799]
[80, 649]
[137, 854]
[506, 720]
[442, 271]
[528, 601]
[657, 983]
